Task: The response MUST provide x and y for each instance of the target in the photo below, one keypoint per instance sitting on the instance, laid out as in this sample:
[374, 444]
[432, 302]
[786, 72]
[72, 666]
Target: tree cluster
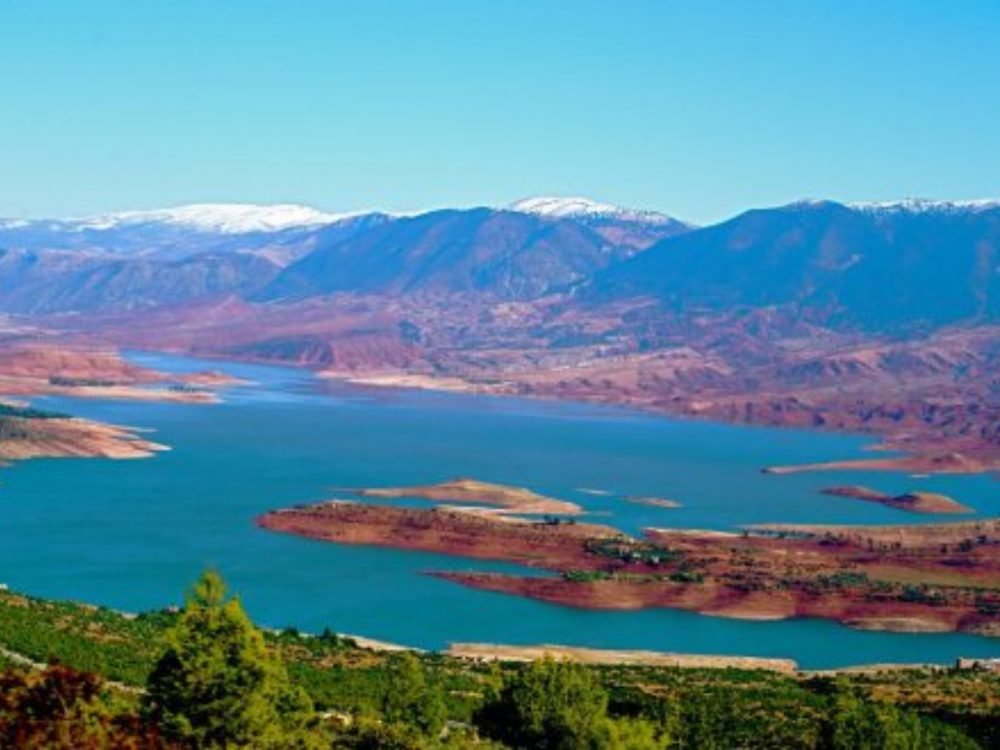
[218, 684]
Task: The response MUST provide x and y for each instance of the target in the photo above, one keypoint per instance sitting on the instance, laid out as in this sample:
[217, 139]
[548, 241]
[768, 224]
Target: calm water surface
[134, 534]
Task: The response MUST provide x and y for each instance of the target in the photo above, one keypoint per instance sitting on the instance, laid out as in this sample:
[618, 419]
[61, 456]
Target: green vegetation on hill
[216, 684]
[205, 677]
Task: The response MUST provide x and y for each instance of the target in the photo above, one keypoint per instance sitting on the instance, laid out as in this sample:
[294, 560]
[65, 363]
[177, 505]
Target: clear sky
[700, 109]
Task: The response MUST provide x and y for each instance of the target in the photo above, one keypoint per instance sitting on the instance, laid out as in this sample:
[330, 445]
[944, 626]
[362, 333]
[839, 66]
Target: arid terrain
[500, 652]
[29, 433]
[931, 399]
[815, 314]
[941, 577]
[912, 502]
[35, 369]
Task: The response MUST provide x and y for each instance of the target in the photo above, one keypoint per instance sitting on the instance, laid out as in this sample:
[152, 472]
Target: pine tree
[217, 686]
[548, 705]
[412, 698]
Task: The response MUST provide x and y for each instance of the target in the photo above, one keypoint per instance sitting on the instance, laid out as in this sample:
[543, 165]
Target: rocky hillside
[504, 253]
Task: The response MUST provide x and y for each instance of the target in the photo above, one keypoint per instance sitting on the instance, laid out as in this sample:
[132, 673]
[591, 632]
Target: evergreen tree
[412, 698]
[547, 705]
[854, 724]
[217, 686]
[632, 734]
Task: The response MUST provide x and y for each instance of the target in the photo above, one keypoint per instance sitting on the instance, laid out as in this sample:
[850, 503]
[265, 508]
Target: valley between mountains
[877, 318]
[880, 319]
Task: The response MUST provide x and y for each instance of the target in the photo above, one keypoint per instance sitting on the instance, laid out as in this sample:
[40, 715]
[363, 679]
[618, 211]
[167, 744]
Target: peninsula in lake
[29, 370]
[942, 577]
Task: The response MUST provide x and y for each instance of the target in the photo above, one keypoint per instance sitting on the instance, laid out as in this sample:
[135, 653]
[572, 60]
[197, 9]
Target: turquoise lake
[134, 534]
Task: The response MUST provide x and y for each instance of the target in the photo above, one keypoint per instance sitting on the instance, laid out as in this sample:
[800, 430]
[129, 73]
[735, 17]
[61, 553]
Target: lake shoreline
[919, 454]
[345, 438]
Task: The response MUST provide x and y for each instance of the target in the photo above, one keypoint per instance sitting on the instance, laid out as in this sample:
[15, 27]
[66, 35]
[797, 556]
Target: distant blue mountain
[867, 265]
[508, 254]
[282, 233]
[142, 259]
[908, 264]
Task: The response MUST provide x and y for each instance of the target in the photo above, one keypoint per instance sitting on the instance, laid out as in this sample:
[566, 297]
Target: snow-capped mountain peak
[224, 218]
[584, 208]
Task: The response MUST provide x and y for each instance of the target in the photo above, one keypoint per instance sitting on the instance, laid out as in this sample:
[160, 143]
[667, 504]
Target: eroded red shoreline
[939, 578]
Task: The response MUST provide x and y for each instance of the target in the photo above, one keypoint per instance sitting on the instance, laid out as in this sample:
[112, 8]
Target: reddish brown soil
[42, 361]
[728, 601]
[932, 396]
[57, 438]
[915, 578]
[911, 502]
[452, 532]
[35, 369]
[29, 369]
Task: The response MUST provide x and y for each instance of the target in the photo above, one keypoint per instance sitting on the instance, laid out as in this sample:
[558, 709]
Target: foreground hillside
[369, 695]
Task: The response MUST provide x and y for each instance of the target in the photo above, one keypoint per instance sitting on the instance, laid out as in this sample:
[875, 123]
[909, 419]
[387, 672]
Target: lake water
[134, 534]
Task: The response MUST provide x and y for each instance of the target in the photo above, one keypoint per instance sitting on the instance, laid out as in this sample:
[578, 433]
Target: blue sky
[700, 109]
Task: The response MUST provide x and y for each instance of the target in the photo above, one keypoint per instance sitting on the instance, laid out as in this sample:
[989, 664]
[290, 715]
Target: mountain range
[143, 259]
[879, 266]
[873, 266]
[881, 318]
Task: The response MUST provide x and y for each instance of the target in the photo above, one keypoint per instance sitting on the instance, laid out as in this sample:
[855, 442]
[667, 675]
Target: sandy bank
[465, 490]
[74, 438]
[496, 652]
[948, 463]
[653, 502]
[36, 369]
[405, 380]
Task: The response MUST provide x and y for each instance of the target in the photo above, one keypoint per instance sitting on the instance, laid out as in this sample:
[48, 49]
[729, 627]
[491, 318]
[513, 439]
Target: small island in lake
[466, 490]
[653, 502]
[912, 502]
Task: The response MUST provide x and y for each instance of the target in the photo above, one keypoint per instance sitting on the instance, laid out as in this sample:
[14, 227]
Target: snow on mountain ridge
[584, 208]
[224, 218]
[921, 205]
